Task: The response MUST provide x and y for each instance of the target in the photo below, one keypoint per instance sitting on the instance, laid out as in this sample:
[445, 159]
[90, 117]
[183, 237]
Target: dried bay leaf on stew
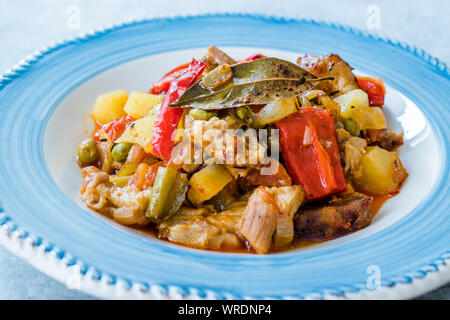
[257, 82]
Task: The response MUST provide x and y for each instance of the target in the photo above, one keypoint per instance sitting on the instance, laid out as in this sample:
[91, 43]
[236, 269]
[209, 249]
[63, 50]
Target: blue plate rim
[17, 71]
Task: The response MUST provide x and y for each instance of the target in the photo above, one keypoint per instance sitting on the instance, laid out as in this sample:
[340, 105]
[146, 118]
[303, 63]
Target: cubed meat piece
[127, 205]
[215, 57]
[259, 221]
[385, 138]
[330, 66]
[263, 211]
[199, 229]
[336, 218]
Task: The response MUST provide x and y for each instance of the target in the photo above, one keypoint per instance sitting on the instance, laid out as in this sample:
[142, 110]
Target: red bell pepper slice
[115, 128]
[374, 88]
[164, 84]
[253, 58]
[167, 119]
[310, 150]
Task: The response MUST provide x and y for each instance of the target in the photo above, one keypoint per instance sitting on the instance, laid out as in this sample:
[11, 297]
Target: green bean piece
[161, 192]
[87, 152]
[200, 114]
[120, 151]
[178, 195]
[352, 127]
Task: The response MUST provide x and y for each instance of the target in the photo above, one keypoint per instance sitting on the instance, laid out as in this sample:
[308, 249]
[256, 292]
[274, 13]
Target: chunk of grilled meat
[330, 66]
[337, 218]
[385, 138]
[215, 57]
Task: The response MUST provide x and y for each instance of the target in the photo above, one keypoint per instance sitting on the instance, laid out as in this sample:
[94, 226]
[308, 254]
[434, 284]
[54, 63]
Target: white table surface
[26, 26]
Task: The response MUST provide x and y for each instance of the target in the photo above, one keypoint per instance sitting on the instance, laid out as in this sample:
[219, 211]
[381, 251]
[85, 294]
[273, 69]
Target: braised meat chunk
[215, 57]
[334, 219]
[200, 229]
[330, 65]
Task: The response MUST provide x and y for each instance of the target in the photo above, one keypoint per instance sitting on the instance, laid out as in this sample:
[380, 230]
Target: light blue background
[26, 26]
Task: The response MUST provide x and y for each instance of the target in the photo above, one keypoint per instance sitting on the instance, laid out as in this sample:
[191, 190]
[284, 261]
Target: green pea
[120, 151]
[352, 127]
[87, 152]
[200, 114]
[242, 112]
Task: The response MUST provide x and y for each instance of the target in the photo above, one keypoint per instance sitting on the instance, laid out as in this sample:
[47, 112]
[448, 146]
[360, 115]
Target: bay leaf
[257, 82]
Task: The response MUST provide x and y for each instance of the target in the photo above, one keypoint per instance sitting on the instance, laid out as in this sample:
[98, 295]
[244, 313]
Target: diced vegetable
[352, 127]
[382, 172]
[150, 175]
[284, 233]
[120, 181]
[120, 151]
[369, 118]
[352, 101]
[109, 106]
[162, 140]
[374, 88]
[178, 195]
[208, 182]
[87, 152]
[354, 149]
[217, 77]
[160, 197]
[138, 179]
[200, 114]
[276, 111]
[253, 58]
[139, 104]
[128, 169]
[104, 151]
[310, 149]
[114, 129]
[223, 199]
[141, 132]
[243, 112]
[136, 154]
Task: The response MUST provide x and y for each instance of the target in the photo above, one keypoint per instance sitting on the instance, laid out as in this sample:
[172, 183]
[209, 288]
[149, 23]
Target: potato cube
[208, 182]
[109, 106]
[141, 132]
[275, 111]
[139, 104]
[369, 118]
[382, 171]
[352, 101]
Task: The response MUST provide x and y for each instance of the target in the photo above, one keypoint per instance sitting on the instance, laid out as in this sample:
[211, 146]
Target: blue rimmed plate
[44, 105]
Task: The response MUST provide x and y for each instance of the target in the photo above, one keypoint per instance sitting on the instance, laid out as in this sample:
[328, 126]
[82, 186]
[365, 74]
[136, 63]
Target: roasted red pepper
[164, 84]
[253, 57]
[374, 88]
[167, 119]
[115, 128]
[310, 150]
